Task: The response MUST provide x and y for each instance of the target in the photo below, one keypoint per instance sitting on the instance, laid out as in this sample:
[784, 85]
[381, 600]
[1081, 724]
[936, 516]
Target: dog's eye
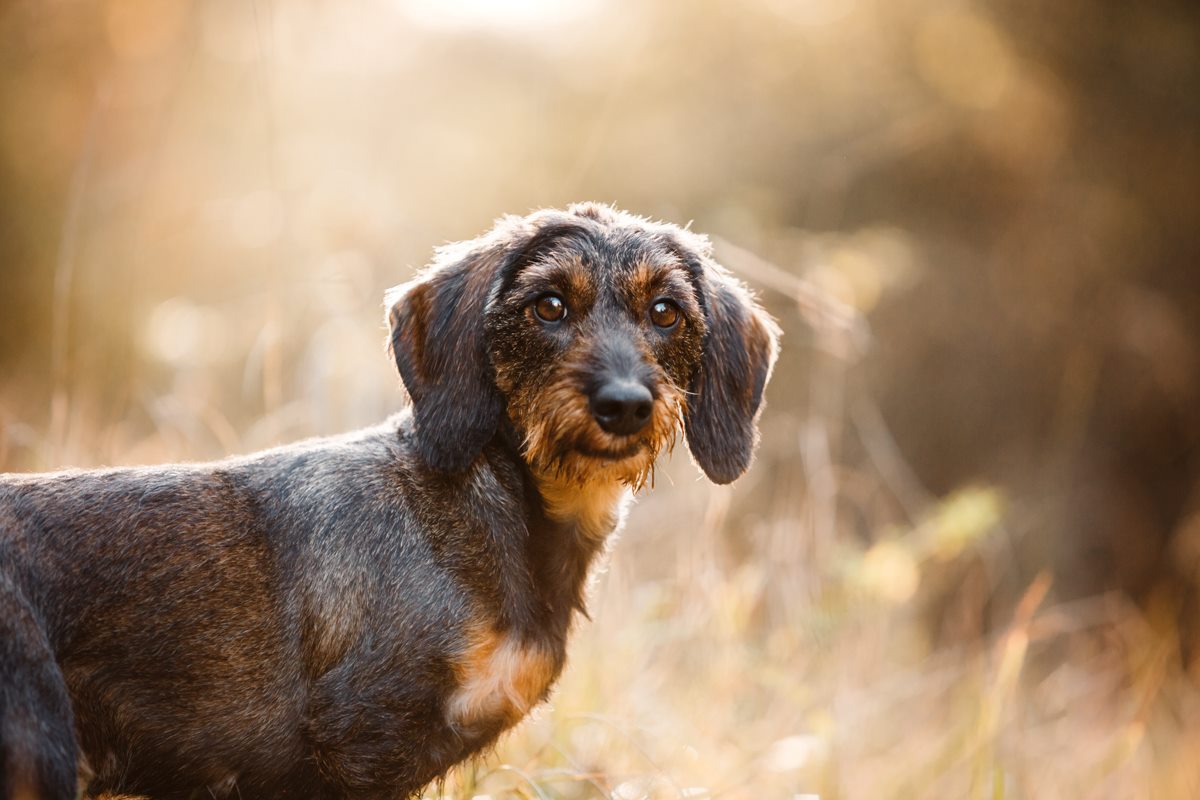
[664, 313]
[550, 308]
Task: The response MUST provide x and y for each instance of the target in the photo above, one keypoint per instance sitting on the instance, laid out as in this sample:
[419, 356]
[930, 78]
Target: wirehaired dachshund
[350, 617]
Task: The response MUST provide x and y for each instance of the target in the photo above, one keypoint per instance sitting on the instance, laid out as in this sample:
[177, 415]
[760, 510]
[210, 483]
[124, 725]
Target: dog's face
[593, 343]
[594, 334]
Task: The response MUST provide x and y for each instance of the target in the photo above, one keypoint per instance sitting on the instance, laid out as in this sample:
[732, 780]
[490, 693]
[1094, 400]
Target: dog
[349, 617]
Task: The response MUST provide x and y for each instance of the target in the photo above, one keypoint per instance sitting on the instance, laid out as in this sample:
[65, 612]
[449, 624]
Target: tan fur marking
[641, 284]
[650, 280]
[594, 506]
[500, 678]
[569, 275]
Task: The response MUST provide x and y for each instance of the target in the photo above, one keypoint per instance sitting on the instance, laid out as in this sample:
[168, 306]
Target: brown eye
[664, 313]
[550, 308]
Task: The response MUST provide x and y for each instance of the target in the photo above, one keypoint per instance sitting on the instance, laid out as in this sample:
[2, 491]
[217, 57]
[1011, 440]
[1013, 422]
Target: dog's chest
[500, 678]
[502, 674]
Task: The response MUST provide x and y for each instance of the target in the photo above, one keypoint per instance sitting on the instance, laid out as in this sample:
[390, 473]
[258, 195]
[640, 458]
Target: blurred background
[966, 561]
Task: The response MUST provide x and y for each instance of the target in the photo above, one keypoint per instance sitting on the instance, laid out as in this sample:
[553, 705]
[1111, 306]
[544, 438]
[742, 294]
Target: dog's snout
[622, 407]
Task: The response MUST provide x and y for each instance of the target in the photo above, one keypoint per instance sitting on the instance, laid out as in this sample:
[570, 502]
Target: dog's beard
[565, 442]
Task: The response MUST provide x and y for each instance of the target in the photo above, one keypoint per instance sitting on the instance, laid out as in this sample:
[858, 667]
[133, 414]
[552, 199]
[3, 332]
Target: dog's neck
[594, 508]
[578, 521]
[570, 522]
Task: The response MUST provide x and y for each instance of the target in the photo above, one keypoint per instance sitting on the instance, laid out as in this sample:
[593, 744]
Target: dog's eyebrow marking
[500, 678]
[650, 280]
[566, 272]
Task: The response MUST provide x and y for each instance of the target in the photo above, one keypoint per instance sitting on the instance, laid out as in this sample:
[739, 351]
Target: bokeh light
[967, 560]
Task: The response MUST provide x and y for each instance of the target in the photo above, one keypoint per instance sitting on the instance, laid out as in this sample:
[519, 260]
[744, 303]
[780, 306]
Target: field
[966, 562]
[743, 646]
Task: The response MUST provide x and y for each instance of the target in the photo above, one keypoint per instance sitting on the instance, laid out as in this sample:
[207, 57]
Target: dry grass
[745, 645]
[700, 683]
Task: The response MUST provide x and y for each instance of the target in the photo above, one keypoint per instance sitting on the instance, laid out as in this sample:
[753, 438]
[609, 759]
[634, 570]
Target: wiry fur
[350, 617]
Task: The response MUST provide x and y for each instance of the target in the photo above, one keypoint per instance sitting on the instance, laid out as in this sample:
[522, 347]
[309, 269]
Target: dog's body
[350, 617]
[283, 621]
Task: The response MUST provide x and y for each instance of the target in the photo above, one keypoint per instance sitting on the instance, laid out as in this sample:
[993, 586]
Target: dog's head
[594, 333]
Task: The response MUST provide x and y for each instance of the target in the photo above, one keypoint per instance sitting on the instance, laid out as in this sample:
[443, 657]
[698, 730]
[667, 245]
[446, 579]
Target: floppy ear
[727, 390]
[437, 340]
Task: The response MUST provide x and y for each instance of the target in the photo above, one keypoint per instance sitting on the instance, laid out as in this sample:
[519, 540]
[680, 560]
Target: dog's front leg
[37, 741]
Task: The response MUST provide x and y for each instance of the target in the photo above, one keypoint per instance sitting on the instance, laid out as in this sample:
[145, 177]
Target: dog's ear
[740, 346]
[438, 342]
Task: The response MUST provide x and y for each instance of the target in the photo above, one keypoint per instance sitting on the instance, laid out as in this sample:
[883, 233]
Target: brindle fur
[351, 616]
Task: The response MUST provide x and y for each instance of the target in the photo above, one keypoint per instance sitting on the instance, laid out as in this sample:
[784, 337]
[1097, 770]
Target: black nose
[622, 407]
